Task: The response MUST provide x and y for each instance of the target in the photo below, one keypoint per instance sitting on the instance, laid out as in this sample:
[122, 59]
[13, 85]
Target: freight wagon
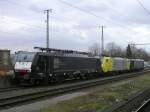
[136, 64]
[119, 65]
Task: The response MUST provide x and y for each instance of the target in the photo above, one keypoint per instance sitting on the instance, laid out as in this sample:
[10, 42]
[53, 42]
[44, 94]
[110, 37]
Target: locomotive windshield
[25, 57]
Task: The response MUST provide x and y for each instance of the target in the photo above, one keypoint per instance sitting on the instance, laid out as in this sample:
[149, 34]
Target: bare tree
[114, 50]
[139, 53]
[128, 51]
[95, 49]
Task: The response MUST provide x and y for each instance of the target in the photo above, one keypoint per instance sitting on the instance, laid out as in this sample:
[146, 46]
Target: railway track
[10, 89]
[145, 107]
[139, 102]
[27, 95]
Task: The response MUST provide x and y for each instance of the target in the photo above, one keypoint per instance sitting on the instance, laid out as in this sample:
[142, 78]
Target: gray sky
[74, 25]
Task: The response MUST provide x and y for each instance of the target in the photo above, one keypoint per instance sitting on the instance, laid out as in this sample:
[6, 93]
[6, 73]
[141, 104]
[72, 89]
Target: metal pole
[102, 40]
[47, 27]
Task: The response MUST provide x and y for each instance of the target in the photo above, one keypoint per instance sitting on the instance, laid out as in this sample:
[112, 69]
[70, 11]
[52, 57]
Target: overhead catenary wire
[12, 33]
[100, 17]
[141, 4]
[140, 44]
[93, 14]
[83, 10]
[26, 24]
[115, 10]
[21, 5]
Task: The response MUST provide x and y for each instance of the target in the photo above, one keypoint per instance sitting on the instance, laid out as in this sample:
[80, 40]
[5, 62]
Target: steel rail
[144, 106]
[51, 91]
[9, 89]
[133, 102]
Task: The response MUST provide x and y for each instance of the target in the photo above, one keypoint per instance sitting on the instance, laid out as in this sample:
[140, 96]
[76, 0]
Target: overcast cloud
[22, 23]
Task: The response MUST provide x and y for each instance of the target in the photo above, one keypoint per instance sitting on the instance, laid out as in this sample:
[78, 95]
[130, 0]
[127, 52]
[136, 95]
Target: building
[5, 62]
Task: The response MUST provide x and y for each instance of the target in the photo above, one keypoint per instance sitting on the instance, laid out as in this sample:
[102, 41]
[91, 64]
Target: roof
[66, 55]
[4, 50]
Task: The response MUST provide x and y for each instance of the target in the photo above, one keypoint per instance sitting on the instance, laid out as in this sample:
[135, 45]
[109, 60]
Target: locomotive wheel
[37, 82]
[82, 76]
[32, 81]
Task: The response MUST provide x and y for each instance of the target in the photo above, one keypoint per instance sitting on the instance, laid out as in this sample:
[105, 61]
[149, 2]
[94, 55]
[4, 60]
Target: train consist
[59, 65]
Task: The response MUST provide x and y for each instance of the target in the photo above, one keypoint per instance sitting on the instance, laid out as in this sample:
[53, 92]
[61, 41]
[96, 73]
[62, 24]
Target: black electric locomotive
[37, 67]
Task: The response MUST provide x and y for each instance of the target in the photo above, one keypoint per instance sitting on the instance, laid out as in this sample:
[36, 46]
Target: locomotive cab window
[107, 60]
[25, 57]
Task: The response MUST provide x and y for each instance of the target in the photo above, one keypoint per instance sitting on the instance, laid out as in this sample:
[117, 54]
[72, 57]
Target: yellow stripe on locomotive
[106, 64]
[128, 64]
[110, 64]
